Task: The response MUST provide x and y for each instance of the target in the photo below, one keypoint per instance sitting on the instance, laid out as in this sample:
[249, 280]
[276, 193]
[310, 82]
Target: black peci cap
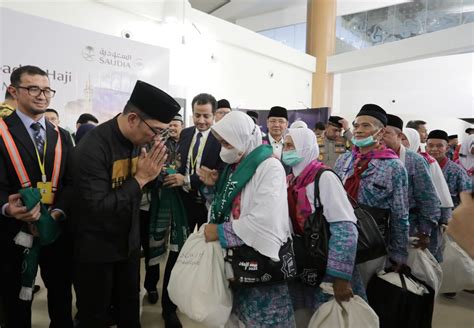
[154, 102]
[395, 121]
[438, 134]
[334, 120]
[374, 111]
[278, 111]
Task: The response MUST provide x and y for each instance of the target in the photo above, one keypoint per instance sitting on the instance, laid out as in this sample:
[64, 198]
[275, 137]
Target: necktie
[39, 141]
[195, 152]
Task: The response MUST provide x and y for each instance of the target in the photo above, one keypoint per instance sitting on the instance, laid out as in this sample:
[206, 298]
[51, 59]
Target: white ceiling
[237, 9]
[233, 10]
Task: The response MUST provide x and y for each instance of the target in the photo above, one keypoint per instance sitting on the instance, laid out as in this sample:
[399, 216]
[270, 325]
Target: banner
[310, 116]
[91, 72]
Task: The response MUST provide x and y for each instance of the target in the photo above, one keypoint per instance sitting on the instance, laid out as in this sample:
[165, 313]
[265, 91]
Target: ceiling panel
[208, 6]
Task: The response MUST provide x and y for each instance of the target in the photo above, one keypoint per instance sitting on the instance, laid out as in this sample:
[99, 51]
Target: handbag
[371, 223]
[401, 300]
[251, 268]
[312, 248]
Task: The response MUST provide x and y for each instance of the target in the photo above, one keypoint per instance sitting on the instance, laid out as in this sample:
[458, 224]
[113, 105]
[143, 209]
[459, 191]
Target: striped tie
[39, 141]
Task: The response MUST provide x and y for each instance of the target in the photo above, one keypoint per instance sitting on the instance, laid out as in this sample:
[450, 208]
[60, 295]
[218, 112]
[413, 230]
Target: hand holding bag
[424, 266]
[198, 285]
[353, 314]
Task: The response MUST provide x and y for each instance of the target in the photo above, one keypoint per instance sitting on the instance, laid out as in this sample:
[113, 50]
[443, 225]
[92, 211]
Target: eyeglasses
[163, 133]
[36, 91]
[277, 121]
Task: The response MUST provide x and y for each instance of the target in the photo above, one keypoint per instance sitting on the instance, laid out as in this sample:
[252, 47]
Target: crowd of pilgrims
[141, 181]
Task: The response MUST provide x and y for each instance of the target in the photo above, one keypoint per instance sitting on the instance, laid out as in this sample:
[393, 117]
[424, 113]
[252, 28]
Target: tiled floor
[455, 313]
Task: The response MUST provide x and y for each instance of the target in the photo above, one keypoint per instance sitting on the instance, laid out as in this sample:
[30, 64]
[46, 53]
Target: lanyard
[18, 162]
[193, 161]
[42, 165]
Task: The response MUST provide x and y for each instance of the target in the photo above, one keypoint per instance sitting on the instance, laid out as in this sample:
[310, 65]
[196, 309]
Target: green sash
[48, 231]
[231, 183]
[166, 206]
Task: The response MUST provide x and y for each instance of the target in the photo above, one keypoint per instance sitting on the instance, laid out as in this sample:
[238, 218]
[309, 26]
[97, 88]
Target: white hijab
[306, 146]
[239, 130]
[465, 156]
[264, 222]
[413, 138]
[298, 125]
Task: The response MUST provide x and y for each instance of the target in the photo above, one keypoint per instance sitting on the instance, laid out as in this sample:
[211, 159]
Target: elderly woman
[301, 151]
[250, 208]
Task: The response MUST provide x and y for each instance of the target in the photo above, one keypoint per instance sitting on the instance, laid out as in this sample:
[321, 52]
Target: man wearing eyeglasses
[198, 149]
[112, 165]
[277, 124]
[37, 143]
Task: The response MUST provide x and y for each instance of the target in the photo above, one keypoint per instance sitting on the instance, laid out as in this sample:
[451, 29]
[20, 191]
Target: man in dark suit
[198, 147]
[277, 123]
[111, 168]
[36, 140]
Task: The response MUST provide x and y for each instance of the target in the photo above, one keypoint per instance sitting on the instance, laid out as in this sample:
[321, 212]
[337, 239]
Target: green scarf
[231, 183]
[48, 230]
[166, 206]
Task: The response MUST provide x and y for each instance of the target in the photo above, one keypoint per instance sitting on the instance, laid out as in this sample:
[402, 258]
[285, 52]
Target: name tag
[46, 190]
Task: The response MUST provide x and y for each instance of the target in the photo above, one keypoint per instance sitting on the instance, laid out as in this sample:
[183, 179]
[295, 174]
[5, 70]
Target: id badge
[46, 190]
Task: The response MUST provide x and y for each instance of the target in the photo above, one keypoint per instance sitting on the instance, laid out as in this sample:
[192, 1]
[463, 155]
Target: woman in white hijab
[250, 207]
[466, 156]
[301, 151]
[298, 125]
[412, 142]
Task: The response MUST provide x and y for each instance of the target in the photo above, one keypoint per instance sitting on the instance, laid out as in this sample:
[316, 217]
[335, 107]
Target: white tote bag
[458, 268]
[198, 285]
[425, 267]
[353, 314]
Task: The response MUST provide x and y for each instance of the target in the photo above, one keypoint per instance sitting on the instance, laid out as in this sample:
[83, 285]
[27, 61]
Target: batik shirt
[457, 179]
[383, 185]
[422, 197]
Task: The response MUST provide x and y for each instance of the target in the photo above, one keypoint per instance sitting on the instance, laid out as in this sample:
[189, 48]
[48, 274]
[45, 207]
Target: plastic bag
[424, 266]
[353, 314]
[461, 226]
[198, 285]
[458, 268]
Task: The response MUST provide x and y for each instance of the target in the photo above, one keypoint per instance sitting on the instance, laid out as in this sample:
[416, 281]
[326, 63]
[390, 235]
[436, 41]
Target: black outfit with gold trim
[106, 222]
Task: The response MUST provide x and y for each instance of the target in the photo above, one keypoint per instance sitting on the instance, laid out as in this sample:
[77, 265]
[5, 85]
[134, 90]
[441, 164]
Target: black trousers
[195, 209]
[152, 273]
[166, 304]
[55, 261]
[100, 284]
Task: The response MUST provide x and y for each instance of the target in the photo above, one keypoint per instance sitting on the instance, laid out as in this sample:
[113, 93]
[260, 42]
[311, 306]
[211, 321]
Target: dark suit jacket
[9, 183]
[210, 154]
[287, 168]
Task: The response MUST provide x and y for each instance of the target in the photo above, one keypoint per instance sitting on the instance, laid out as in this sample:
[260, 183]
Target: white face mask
[230, 156]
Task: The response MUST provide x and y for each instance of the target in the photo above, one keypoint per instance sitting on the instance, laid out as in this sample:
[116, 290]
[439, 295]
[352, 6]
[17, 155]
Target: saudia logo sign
[112, 58]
